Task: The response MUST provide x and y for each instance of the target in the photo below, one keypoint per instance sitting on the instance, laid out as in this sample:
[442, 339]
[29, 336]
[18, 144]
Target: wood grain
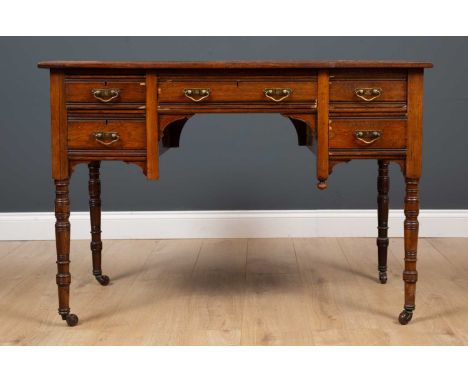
[132, 134]
[217, 289]
[129, 91]
[322, 127]
[231, 64]
[393, 133]
[58, 125]
[320, 291]
[415, 123]
[241, 90]
[392, 91]
[152, 128]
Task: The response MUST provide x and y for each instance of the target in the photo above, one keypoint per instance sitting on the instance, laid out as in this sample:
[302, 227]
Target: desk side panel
[415, 123]
[152, 126]
[322, 129]
[58, 125]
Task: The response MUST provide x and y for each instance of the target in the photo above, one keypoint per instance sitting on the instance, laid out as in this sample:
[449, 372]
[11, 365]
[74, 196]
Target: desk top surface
[232, 64]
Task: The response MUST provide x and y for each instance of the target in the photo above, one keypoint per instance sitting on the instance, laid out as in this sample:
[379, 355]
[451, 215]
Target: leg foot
[405, 317]
[103, 279]
[383, 276]
[322, 185]
[72, 319]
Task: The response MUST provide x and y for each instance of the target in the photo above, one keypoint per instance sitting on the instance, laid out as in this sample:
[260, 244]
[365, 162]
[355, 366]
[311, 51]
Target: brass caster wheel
[383, 277]
[405, 317]
[103, 279]
[72, 319]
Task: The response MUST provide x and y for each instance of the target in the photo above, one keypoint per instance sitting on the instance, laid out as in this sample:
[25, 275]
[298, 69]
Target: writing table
[134, 111]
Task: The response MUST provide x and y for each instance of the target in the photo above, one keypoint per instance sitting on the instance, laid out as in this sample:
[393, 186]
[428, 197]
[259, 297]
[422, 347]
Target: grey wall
[230, 161]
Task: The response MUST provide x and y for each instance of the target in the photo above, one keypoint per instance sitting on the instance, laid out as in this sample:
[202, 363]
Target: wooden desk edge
[338, 64]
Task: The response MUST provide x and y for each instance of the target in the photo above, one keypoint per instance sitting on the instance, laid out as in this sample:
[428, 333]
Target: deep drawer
[367, 133]
[107, 134]
[106, 91]
[237, 91]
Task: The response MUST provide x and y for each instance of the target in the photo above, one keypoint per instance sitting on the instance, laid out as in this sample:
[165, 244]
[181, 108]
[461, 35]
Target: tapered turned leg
[95, 213]
[383, 184]
[410, 275]
[62, 239]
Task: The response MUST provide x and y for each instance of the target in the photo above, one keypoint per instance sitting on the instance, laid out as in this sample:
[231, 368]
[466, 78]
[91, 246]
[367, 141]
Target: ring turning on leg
[95, 215]
[383, 185]
[411, 225]
[62, 239]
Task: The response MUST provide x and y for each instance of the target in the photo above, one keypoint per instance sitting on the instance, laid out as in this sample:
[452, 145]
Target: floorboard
[288, 291]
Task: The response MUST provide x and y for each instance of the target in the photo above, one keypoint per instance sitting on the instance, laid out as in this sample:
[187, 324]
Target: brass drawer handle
[274, 93]
[368, 94]
[197, 95]
[106, 138]
[105, 95]
[367, 136]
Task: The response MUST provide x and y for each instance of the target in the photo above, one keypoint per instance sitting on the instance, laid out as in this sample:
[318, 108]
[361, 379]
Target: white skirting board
[232, 224]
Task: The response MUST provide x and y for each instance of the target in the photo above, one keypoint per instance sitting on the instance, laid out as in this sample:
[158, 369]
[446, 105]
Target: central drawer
[237, 91]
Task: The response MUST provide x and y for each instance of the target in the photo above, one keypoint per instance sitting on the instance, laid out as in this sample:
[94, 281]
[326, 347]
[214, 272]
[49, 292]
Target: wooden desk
[134, 111]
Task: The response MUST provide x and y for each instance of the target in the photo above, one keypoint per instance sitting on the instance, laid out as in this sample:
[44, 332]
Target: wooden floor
[320, 291]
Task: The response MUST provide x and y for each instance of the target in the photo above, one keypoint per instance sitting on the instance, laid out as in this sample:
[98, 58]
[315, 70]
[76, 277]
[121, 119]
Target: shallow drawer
[106, 92]
[107, 134]
[368, 91]
[367, 133]
[237, 91]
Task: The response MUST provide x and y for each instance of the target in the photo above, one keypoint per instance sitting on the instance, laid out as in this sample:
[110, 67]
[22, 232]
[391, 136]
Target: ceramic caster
[322, 185]
[405, 317]
[72, 319]
[103, 279]
[383, 277]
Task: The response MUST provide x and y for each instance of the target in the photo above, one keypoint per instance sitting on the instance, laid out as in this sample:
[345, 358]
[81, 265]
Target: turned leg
[62, 239]
[95, 213]
[383, 184]
[410, 275]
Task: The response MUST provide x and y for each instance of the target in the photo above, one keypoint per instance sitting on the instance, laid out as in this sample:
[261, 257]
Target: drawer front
[367, 133]
[237, 91]
[368, 91]
[106, 92]
[107, 134]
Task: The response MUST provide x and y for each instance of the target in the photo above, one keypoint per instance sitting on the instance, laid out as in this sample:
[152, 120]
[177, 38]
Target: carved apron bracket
[305, 125]
[170, 128]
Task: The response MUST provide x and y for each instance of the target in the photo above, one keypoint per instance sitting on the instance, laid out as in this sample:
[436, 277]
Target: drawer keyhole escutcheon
[106, 138]
[277, 94]
[367, 136]
[197, 95]
[105, 95]
[368, 94]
